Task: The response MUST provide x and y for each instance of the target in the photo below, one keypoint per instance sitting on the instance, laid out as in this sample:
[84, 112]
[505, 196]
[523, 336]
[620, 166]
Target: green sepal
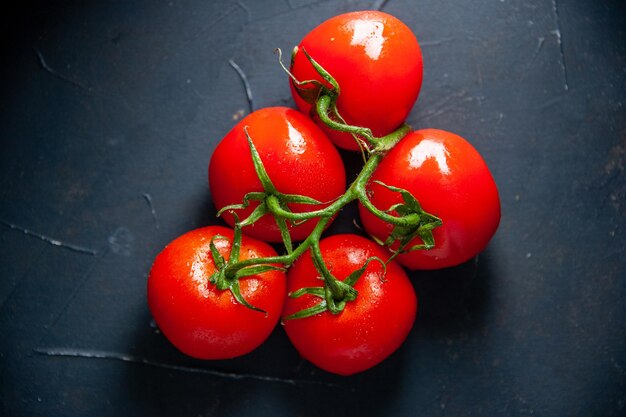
[235, 290]
[316, 291]
[323, 73]
[284, 233]
[258, 212]
[218, 259]
[336, 306]
[235, 247]
[410, 202]
[231, 283]
[267, 184]
[251, 196]
[355, 275]
[307, 312]
[308, 90]
[328, 301]
[419, 223]
[299, 199]
[311, 311]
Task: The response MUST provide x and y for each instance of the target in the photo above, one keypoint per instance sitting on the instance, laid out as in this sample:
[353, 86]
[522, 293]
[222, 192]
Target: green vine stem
[409, 221]
[338, 292]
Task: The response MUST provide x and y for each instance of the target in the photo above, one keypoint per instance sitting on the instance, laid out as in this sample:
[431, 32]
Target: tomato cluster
[426, 199]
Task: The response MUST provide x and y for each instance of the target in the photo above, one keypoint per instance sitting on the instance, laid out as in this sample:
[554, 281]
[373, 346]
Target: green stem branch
[355, 191]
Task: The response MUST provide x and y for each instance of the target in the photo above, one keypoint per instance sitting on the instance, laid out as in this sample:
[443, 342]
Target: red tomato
[451, 181]
[196, 317]
[370, 328]
[297, 156]
[377, 62]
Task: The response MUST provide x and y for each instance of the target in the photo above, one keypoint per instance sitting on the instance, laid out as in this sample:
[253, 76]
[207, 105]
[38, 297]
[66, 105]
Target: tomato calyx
[223, 280]
[270, 200]
[309, 90]
[334, 294]
[323, 98]
[412, 221]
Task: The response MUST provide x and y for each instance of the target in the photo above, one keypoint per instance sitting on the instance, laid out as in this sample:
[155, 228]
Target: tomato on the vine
[377, 62]
[298, 157]
[450, 179]
[371, 327]
[201, 320]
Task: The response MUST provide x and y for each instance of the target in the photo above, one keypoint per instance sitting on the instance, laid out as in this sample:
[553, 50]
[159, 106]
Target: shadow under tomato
[450, 296]
[272, 380]
[365, 394]
[163, 381]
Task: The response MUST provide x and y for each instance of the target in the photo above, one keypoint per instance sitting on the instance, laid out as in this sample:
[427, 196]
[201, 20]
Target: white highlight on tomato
[369, 34]
[296, 143]
[429, 149]
[199, 270]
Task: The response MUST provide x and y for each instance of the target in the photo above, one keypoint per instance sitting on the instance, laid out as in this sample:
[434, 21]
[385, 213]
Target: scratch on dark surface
[617, 366]
[14, 289]
[470, 37]
[52, 241]
[34, 261]
[59, 75]
[200, 95]
[559, 39]
[148, 199]
[436, 42]
[245, 9]
[246, 84]
[434, 113]
[552, 101]
[121, 241]
[123, 357]
[617, 159]
[441, 107]
[497, 118]
[218, 19]
[305, 4]
[73, 295]
[379, 4]
[540, 41]
[457, 95]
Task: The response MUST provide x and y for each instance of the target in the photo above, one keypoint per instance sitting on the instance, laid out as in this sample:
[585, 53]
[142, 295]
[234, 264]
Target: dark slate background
[110, 111]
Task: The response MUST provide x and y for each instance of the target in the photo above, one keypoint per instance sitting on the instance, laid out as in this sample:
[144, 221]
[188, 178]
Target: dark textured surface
[111, 110]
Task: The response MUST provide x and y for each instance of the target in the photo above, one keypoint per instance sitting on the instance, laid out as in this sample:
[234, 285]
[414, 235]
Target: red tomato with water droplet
[377, 62]
[370, 328]
[196, 317]
[450, 179]
[298, 158]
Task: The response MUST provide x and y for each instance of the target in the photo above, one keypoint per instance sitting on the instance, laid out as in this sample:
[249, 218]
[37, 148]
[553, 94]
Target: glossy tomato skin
[297, 156]
[450, 180]
[377, 62]
[370, 328]
[196, 317]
